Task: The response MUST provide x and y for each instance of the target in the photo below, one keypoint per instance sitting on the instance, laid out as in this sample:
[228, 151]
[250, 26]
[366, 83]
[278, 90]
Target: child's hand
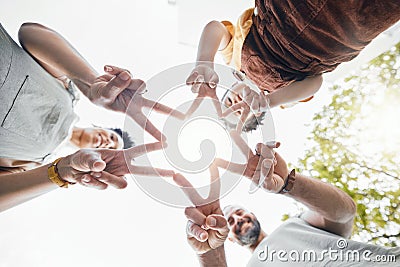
[202, 73]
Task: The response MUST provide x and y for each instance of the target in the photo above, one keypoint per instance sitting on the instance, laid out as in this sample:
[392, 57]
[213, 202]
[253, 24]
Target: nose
[238, 219]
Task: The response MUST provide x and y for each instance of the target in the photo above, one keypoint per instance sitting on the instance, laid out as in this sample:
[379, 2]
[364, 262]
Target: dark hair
[253, 122]
[126, 138]
[251, 236]
[250, 124]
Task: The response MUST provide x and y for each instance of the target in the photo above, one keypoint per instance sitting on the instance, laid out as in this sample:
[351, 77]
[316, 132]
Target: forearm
[215, 36]
[324, 199]
[56, 55]
[213, 258]
[18, 188]
[296, 91]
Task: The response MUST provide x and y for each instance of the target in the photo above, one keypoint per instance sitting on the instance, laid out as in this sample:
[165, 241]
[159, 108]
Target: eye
[230, 220]
[229, 100]
[112, 137]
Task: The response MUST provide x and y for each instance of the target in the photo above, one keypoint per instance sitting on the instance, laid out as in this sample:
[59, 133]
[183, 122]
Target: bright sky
[84, 227]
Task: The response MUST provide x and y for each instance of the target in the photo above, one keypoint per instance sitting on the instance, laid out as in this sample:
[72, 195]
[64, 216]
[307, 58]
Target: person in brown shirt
[284, 47]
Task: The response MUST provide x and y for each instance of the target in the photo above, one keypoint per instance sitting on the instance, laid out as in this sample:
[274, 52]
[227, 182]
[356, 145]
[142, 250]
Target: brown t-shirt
[290, 40]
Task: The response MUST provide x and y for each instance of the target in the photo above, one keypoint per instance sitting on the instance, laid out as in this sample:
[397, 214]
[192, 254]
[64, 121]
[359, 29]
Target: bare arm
[331, 209]
[296, 91]
[213, 258]
[214, 37]
[56, 55]
[18, 188]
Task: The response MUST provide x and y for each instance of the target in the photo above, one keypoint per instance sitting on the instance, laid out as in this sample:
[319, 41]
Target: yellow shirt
[232, 53]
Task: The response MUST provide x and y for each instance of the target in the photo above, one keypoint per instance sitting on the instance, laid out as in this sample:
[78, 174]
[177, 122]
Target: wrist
[205, 62]
[85, 83]
[214, 257]
[288, 183]
[54, 174]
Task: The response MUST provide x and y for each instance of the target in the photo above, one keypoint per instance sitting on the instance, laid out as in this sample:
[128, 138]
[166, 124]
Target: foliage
[355, 145]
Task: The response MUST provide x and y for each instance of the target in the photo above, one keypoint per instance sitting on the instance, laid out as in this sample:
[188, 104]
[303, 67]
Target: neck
[259, 239]
[76, 136]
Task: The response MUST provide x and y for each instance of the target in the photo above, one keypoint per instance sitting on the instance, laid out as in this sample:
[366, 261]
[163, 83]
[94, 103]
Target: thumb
[88, 161]
[218, 223]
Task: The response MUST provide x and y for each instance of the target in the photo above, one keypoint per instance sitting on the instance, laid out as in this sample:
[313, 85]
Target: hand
[206, 229]
[204, 80]
[99, 168]
[260, 166]
[246, 101]
[116, 89]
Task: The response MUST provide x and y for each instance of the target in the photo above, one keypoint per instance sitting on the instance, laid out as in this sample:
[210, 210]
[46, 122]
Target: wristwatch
[289, 183]
[53, 175]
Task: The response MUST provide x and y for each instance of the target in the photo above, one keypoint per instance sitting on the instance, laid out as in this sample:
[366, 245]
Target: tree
[355, 145]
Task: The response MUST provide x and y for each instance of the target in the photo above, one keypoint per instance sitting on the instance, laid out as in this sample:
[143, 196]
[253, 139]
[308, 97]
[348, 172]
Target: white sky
[83, 227]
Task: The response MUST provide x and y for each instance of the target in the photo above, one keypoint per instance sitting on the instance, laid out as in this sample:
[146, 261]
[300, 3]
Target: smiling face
[244, 227]
[232, 97]
[100, 138]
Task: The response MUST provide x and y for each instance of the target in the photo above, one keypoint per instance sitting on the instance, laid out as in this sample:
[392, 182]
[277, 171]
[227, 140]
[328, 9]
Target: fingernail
[96, 174]
[267, 164]
[86, 179]
[203, 236]
[212, 221]
[108, 68]
[124, 76]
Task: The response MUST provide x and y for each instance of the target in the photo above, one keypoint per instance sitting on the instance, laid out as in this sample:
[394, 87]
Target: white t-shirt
[296, 242]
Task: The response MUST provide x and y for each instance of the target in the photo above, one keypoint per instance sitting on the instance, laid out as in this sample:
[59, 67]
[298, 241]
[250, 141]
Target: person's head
[244, 228]
[232, 97]
[97, 137]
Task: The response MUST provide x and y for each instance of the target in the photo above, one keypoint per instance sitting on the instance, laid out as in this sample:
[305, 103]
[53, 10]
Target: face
[100, 138]
[244, 227]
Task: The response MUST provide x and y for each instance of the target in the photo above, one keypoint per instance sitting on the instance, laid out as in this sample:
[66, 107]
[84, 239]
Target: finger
[215, 182]
[264, 105]
[150, 171]
[217, 105]
[242, 145]
[87, 160]
[242, 119]
[217, 222]
[231, 166]
[192, 77]
[273, 144]
[195, 105]
[116, 85]
[267, 170]
[89, 181]
[265, 151]
[194, 230]
[234, 108]
[188, 189]
[238, 87]
[255, 104]
[143, 122]
[137, 151]
[197, 83]
[214, 80]
[163, 109]
[138, 86]
[194, 215]
[114, 70]
[110, 179]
